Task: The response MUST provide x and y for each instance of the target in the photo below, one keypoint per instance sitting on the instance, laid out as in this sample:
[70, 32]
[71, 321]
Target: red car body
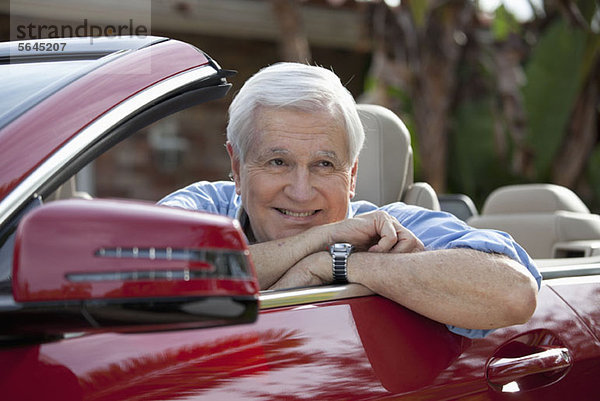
[337, 342]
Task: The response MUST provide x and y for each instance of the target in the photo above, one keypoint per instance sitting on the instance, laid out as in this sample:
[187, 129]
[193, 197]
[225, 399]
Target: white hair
[298, 86]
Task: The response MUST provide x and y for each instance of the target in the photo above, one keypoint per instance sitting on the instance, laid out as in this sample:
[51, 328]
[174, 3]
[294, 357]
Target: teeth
[294, 214]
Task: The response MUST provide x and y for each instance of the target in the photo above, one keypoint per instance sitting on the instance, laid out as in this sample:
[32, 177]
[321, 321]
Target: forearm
[461, 287]
[273, 258]
[375, 231]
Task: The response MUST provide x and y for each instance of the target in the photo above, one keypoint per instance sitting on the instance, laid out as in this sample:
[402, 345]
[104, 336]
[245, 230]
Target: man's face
[296, 174]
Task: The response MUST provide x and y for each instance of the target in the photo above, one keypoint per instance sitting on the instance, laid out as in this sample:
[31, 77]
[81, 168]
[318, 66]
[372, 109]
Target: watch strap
[339, 255]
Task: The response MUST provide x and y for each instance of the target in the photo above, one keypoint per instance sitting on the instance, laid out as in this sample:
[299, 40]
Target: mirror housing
[82, 265]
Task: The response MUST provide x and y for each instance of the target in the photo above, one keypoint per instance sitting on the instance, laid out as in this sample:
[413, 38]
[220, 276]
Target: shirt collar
[242, 217]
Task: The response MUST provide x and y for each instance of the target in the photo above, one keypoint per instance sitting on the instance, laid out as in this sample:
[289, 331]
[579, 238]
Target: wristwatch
[339, 255]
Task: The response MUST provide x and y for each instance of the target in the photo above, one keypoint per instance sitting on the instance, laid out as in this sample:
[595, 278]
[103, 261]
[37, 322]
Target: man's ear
[353, 179]
[235, 166]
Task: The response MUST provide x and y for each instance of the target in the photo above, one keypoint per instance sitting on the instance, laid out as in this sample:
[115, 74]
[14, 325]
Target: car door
[332, 342]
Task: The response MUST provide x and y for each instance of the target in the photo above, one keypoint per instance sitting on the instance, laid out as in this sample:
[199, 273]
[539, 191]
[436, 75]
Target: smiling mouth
[296, 214]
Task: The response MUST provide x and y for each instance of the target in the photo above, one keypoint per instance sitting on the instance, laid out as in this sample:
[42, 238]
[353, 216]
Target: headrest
[385, 162]
[533, 198]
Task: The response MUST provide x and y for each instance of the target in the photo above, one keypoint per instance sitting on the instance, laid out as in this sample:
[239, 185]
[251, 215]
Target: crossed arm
[460, 287]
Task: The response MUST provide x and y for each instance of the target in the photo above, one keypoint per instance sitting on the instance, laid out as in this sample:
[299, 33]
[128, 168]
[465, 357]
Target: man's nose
[300, 185]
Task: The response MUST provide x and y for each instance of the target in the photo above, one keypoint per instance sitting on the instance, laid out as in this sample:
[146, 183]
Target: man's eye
[276, 162]
[325, 163]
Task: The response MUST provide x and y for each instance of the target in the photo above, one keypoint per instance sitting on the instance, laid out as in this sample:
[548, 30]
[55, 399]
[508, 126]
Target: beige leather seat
[385, 167]
[547, 220]
[68, 190]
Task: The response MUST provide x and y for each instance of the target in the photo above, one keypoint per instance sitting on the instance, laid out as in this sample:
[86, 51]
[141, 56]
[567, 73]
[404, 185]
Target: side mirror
[82, 265]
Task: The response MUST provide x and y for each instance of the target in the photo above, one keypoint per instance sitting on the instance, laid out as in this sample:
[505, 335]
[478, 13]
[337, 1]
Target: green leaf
[592, 52]
[593, 176]
[472, 162]
[419, 9]
[587, 8]
[553, 82]
[504, 24]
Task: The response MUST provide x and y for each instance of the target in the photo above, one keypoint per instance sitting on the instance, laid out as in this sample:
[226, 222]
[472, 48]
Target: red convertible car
[125, 300]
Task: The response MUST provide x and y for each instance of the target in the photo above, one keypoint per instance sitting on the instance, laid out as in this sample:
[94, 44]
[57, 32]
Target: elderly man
[293, 138]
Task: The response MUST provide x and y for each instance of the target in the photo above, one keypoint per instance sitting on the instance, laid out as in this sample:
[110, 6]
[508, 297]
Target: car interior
[549, 221]
[68, 190]
[385, 168]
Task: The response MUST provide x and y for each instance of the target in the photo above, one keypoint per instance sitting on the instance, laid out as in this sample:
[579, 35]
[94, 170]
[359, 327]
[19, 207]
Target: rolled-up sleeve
[440, 230]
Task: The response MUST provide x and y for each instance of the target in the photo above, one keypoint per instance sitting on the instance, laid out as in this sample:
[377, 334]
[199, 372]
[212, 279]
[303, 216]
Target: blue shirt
[437, 230]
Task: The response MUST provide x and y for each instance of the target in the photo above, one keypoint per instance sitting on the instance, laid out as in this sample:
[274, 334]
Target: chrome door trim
[302, 296]
[568, 267]
[93, 132]
[570, 271]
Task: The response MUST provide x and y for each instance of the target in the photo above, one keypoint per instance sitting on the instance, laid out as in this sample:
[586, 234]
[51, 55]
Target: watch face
[341, 247]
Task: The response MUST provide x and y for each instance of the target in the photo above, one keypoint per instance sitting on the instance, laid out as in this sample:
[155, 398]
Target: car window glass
[24, 80]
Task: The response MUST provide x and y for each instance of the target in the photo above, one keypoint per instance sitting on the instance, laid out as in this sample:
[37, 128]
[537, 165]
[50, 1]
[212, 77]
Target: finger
[407, 243]
[387, 229]
[384, 245]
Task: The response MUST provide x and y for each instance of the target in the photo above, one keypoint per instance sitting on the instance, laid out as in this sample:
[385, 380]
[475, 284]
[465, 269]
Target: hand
[314, 269]
[407, 242]
[374, 232]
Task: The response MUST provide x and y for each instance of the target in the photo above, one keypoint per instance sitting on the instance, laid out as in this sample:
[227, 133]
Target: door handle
[501, 371]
